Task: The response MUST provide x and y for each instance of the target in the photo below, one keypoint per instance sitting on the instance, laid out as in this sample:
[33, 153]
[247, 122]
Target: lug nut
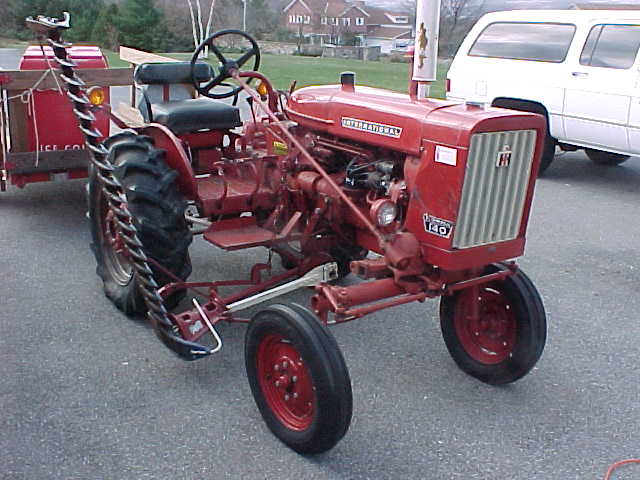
[285, 364]
[276, 367]
[295, 395]
[277, 383]
[294, 379]
[286, 398]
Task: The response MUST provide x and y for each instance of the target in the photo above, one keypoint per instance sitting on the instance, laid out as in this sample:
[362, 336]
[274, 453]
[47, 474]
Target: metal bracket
[209, 325]
[320, 274]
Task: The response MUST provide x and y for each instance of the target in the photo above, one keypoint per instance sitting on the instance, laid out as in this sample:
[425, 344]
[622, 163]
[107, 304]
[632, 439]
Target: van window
[543, 42]
[611, 46]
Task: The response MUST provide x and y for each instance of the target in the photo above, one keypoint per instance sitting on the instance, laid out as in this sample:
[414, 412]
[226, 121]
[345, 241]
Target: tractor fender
[176, 157]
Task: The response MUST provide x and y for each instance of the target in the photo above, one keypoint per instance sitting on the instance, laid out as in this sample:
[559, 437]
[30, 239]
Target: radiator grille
[493, 197]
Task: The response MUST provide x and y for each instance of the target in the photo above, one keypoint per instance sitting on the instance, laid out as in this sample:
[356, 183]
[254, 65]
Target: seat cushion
[168, 73]
[182, 116]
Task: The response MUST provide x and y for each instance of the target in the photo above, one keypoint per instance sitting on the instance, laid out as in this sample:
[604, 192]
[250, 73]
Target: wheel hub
[117, 256]
[490, 337]
[286, 382]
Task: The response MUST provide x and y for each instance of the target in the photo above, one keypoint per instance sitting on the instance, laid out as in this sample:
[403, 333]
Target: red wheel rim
[490, 338]
[285, 382]
[117, 261]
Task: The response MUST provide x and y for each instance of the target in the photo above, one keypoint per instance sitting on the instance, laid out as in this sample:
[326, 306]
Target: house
[348, 22]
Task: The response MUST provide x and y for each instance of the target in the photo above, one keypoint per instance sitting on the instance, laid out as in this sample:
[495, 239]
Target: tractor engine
[457, 180]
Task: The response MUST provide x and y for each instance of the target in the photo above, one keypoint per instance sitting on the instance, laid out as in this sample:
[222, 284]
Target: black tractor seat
[167, 99]
[193, 114]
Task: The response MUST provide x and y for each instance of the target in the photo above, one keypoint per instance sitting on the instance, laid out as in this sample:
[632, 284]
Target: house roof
[389, 32]
[357, 7]
[293, 2]
[334, 8]
[380, 16]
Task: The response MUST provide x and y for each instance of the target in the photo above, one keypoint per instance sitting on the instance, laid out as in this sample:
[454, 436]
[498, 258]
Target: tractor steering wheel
[226, 65]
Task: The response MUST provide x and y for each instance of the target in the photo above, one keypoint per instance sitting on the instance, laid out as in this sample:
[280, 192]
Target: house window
[323, 20]
[299, 19]
[346, 21]
[402, 20]
[307, 19]
[360, 21]
[291, 19]
[334, 21]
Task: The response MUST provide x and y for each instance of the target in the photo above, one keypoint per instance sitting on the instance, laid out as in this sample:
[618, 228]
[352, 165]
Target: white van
[578, 68]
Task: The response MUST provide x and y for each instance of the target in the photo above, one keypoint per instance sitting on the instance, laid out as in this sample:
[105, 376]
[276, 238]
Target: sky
[492, 5]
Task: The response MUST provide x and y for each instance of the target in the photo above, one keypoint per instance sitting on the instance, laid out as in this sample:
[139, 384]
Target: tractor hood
[396, 121]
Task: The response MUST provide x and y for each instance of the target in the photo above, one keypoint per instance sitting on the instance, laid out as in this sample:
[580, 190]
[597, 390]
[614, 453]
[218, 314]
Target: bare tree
[457, 18]
[200, 33]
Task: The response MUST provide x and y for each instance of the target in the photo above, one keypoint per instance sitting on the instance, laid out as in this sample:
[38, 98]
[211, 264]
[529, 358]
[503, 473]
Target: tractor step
[239, 233]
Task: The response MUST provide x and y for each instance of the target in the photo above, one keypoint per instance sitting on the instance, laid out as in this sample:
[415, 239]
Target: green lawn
[283, 69]
[11, 43]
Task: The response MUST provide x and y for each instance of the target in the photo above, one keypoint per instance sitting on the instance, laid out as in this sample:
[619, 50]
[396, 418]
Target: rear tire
[157, 208]
[605, 158]
[298, 378]
[509, 336]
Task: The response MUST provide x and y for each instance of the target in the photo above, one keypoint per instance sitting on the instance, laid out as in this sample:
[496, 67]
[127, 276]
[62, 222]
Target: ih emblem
[504, 157]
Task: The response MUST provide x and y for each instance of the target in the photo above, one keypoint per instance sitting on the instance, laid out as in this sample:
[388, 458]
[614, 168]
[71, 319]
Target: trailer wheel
[507, 341]
[157, 208]
[298, 377]
[605, 158]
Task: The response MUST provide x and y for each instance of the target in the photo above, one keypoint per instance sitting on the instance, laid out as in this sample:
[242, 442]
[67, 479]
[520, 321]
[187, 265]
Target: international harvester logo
[372, 127]
[504, 157]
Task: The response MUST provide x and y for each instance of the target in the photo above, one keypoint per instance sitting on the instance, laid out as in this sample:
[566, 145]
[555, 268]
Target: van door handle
[580, 74]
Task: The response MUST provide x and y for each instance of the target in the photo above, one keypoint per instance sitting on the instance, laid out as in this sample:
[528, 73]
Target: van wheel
[605, 158]
[548, 153]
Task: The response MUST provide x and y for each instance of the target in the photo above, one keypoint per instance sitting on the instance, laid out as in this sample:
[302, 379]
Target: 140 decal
[437, 226]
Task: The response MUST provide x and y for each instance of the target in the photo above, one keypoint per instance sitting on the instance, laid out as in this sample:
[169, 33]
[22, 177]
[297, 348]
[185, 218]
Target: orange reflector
[96, 95]
[262, 89]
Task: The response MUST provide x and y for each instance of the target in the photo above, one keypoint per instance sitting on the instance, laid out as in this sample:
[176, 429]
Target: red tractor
[417, 197]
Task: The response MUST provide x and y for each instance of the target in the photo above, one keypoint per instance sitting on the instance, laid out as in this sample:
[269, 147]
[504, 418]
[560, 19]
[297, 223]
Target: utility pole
[244, 15]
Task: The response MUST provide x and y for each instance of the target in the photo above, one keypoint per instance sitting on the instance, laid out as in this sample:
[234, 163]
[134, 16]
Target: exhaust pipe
[425, 57]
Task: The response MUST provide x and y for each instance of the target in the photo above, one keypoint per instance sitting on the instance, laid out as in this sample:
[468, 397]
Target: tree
[21, 9]
[261, 18]
[456, 19]
[141, 25]
[105, 32]
[83, 18]
[83, 15]
[200, 33]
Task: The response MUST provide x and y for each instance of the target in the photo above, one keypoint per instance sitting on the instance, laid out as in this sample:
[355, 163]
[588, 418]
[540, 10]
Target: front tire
[507, 339]
[605, 158]
[298, 378]
[157, 208]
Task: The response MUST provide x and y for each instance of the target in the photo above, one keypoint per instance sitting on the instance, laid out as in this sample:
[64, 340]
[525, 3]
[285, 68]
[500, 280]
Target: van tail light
[447, 85]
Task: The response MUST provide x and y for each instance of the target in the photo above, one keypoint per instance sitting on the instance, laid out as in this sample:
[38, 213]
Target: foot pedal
[238, 233]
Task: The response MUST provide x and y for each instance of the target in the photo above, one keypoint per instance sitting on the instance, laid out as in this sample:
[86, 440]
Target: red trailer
[39, 139]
